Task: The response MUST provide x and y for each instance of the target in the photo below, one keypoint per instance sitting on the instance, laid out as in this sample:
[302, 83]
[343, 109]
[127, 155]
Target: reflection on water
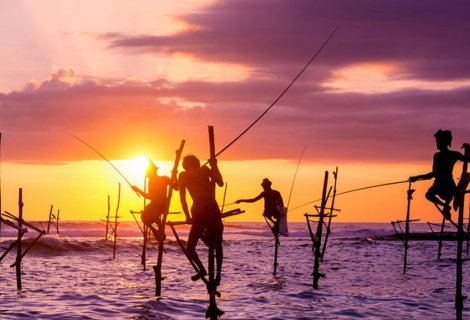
[75, 278]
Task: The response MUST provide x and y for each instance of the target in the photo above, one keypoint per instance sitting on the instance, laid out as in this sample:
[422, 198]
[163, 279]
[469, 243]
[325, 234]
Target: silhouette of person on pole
[157, 194]
[443, 189]
[272, 202]
[207, 224]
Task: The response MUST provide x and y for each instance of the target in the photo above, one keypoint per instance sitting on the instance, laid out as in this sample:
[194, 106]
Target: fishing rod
[295, 174]
[102, 156]
[282, 93]
[358, 189]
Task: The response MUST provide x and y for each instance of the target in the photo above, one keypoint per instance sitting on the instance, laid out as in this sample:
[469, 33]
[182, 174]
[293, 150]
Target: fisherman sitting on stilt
[157, 194]
[206, 216]
[272, 203]
[443, 189]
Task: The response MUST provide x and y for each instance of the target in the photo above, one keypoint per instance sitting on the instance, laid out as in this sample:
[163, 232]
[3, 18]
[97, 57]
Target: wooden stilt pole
[330, 217]
[50, 219]
[57, 221]
[461, 191]
[276, 247]
[116, 221]
[318, 236]
[158, 266]
[18, 244]
[459, 297]
[213, 312]
[441, 238]
[145, 233]
[407, 224]
[106, 237]
[468, 229]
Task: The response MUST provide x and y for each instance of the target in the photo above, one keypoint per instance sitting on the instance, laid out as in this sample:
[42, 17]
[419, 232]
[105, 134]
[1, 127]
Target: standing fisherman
[443, 189]
[272, 202]
[157, 194]
[206, 216]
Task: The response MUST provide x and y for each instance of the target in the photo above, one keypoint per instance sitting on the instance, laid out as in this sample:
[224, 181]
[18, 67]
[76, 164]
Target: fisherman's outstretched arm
[250, 200]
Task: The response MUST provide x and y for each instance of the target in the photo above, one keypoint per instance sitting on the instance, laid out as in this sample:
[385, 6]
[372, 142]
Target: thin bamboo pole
[116, 221]
[316, 268]
[143, 260]
[459, 297]
[213, 312]
[468, 229]
[106, 237]
[18, 244]
[330, 217]
[407, 224]
[49, 221]
[57, 221]
[441, 238]
[158, 266]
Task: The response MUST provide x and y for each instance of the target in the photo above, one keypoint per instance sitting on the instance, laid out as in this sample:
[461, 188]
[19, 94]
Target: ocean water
[73, 276]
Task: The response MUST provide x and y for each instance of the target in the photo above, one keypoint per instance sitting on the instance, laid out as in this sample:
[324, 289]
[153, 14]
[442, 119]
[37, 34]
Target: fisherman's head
[191, 162]
[151, 169]
[266, 184]
[443, 138]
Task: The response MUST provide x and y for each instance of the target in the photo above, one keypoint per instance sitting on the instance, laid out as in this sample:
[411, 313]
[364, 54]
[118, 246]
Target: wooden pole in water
[441, 238]
[107, 219]
[18, 244]
[50, 218]
[459, 298]
[316, 267]
[213, 311]
[57, 221]
[158, 266]
[407, 224]
[143, 261]
[335, 175]
[468, 229]
[116, 221]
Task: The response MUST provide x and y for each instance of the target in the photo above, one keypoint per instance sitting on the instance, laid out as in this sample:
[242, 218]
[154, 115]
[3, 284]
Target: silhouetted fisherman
[206, 216]
[272, 202]
[443, 189]
[157, 194]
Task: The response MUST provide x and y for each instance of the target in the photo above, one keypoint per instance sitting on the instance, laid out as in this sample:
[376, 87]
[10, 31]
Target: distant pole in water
[330, 216]
[18, 244]
[116, 221]
[316, 267]
[145, 232]
[407, 224]
[106, 237]
[50, 219]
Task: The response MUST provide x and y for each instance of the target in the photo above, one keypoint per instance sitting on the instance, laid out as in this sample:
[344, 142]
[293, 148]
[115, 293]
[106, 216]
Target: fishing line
[295, 175]
[282, 93]
[102, 156]
[355, 190]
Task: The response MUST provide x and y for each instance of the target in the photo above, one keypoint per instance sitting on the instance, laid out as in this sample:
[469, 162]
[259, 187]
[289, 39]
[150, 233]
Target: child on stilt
[157, 194]
[443, 189]
[206, 216]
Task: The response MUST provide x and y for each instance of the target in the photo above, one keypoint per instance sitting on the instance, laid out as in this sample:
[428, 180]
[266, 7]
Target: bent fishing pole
[355, 190]
[282, 93]
[105, 159]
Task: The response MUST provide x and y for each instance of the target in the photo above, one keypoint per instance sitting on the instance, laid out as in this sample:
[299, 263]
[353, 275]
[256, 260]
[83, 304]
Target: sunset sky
[133, 78]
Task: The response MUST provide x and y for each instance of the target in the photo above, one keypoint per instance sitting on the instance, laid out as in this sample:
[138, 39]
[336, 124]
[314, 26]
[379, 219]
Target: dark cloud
[122, 117]
[428, 39]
